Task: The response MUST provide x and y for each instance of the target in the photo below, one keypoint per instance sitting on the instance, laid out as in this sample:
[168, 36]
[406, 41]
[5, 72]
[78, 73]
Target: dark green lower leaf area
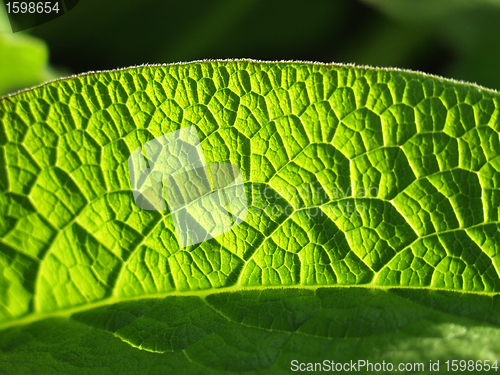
[259, 332]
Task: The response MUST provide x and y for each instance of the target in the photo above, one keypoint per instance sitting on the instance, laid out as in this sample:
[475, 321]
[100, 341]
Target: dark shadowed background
[453, 38]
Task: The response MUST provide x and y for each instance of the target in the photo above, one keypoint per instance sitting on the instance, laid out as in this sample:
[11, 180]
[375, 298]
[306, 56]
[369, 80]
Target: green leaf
[372, 230]
[23, 59]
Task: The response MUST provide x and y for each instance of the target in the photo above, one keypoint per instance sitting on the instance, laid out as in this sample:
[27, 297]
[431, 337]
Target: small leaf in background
[23, 59]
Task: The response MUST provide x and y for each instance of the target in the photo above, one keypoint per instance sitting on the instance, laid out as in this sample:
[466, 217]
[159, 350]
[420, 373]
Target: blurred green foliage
[468, 29]
[453, 38]
[23, 59]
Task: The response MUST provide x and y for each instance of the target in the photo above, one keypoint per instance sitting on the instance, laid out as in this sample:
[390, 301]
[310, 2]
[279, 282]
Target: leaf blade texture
[363, 177]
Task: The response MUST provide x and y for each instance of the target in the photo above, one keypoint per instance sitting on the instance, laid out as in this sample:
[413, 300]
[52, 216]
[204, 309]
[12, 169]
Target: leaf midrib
[68, 312]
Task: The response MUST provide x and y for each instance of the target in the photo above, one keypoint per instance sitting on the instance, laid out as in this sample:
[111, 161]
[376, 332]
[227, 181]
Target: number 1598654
[32, 7]
[471, 365]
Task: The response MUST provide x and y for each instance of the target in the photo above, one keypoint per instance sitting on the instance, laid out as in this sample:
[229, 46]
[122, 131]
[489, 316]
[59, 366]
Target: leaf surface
[372, 228]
